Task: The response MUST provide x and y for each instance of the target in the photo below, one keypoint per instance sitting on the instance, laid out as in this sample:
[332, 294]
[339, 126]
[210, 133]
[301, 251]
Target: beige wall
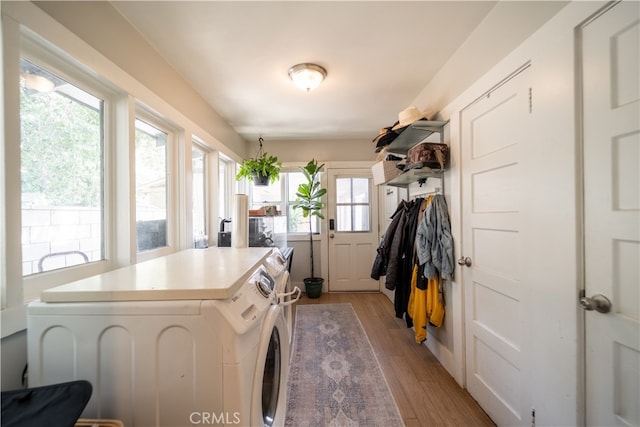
[100, 25]
[326, 150]
[502, 31]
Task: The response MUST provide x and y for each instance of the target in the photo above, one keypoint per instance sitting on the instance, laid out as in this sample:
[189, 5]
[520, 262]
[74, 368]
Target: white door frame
[360, 246]
[324, 224]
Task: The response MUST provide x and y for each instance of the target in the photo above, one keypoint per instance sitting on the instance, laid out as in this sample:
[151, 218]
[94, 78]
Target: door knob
[465, 261]
[332, 235]
[598, 302]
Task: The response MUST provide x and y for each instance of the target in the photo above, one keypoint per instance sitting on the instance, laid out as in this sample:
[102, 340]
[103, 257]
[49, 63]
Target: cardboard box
[384, 171]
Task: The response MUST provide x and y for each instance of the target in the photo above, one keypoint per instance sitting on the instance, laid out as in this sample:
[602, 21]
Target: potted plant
[309, 201]
[263, 168]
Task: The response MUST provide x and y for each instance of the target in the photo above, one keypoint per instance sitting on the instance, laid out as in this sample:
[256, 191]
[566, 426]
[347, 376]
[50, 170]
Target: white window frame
[298, 236]
[145, 114]
[229, 185]
[352, 204]
[197, 144]
[25, 20]
[42, 54]
[284, 203]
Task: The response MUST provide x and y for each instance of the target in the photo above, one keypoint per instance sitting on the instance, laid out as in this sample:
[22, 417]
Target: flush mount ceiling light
[36, 82]
[307, 76]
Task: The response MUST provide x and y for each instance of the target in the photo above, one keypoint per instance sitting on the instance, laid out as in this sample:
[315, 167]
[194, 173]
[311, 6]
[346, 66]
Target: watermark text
[214, 418]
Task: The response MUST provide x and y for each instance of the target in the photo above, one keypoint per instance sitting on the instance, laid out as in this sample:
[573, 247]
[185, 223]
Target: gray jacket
[434, 244]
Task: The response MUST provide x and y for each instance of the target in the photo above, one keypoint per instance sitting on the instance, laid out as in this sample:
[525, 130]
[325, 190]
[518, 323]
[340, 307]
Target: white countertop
[212, 273]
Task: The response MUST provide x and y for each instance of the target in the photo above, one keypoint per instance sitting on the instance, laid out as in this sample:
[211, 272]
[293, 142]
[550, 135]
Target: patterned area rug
[335, 379]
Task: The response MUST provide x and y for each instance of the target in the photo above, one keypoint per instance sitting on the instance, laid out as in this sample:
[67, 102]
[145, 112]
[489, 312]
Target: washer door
[268, 403]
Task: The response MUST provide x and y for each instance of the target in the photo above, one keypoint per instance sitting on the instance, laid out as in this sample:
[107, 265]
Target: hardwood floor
[425, 392]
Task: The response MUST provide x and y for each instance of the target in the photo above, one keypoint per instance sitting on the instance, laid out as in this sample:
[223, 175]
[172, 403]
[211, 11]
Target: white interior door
[493, 131]
[611, 98]
[353, 229]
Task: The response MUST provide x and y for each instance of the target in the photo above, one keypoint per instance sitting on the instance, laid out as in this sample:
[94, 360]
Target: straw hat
[408, 116]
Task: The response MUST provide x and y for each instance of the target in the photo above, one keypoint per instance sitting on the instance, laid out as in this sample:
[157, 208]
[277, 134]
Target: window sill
[301, 237]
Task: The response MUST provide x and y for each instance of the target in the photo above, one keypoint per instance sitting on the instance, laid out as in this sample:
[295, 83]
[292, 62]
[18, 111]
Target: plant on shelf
[263, 168]
[309, 201]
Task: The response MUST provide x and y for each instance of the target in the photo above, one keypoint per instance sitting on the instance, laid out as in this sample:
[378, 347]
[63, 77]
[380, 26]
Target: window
[199, 199]
[62, 179]
[266, 195]
[272, 194]
[226, 186]
[151, 155]
[353, 205]
[296, 222]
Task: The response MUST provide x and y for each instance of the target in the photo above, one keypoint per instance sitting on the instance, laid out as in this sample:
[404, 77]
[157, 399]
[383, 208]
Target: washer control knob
[263, 286]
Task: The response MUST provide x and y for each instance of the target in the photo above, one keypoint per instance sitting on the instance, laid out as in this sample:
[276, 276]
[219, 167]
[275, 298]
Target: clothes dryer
[165, 358]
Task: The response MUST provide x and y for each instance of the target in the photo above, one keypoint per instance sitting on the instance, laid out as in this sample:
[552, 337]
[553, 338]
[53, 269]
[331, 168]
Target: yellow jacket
[425, 304]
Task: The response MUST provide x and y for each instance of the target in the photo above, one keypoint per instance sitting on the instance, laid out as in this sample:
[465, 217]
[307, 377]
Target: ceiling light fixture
[36, 82]
[307, 76]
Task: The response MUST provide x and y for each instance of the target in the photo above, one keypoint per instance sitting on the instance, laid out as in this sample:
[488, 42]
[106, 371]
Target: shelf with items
[415, 174]
[415, 133]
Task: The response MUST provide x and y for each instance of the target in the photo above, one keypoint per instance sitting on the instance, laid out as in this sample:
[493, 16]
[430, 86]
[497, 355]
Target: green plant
[263, 165]
[309, 198]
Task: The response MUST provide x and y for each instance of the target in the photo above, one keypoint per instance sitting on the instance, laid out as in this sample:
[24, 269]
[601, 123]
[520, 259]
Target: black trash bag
[57, 405]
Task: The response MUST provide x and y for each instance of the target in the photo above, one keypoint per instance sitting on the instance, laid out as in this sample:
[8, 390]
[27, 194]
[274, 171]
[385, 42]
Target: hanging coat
[406, 260]
[434, 243]
[393, 243]
[435, 302]
[417, 307]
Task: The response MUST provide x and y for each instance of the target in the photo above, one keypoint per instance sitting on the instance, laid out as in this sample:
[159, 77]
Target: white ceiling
[379, 57]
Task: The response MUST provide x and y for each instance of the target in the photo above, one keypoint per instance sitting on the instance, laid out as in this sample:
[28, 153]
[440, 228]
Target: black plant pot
[261, 180]
[313, 286]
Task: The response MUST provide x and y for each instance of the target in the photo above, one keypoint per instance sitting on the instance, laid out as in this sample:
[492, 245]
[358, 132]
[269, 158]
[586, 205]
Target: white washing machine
[194, 338]
[278, 268]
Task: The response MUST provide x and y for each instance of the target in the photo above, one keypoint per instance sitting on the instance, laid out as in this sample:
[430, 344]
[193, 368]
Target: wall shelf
[415, 133]
[414, 175]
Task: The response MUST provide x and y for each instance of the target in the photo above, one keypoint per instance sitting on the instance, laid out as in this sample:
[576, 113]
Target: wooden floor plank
[426, 394]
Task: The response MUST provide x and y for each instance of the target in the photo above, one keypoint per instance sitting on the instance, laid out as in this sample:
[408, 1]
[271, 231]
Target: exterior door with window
[353, 229]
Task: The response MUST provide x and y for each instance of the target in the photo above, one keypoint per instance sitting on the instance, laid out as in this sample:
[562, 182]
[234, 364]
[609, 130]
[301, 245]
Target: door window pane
[360, 190]
[61, 167]
[151, 186]
[353, 211]
[361, 218]
[344, 218]
[343, 190]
